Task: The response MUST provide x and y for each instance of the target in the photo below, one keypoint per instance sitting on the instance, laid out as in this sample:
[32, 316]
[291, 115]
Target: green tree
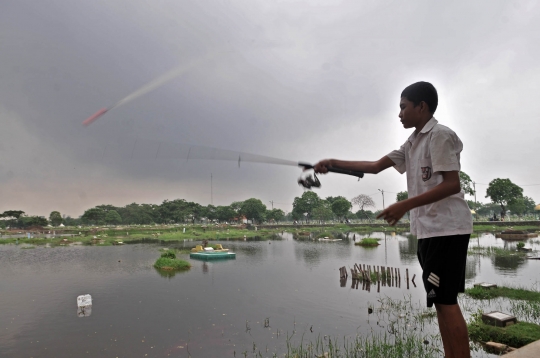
[225, 213]
[529, 205]
[236, 206]
[402, 195]
[487, 209]
[503, 192]
[93, 216]
[341, 206]
[465, 181]
[275, 215]
[12, 214]
[473, 205]
[210, 212]
[253, 209]
[365, 214]
[323, 211]
[517, 206]
[69, 221]
[112, 217]
[55, 218]
[521, 206]
[305, 204]
[31, 221]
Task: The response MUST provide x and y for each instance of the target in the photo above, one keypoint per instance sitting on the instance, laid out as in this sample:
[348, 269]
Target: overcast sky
[298, 80]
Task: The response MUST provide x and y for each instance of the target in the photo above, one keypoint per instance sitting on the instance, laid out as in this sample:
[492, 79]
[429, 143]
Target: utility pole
[272, 202]
[382, 192]
[475, 203]
[211, 190]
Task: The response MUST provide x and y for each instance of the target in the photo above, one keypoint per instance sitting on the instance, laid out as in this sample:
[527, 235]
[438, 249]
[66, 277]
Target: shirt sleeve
[398, 157]
[445, 147]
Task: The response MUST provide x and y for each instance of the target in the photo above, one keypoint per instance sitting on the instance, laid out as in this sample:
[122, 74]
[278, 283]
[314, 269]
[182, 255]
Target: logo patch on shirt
[426, 173]
[431, 294]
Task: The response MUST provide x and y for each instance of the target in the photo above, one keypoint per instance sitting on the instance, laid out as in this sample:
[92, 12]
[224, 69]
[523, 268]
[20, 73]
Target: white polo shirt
[424, 156]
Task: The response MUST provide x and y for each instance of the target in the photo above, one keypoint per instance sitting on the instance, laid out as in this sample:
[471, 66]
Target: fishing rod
[307, 180]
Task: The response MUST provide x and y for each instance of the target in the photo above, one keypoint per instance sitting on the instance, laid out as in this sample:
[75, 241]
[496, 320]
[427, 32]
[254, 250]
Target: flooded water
[216, 309]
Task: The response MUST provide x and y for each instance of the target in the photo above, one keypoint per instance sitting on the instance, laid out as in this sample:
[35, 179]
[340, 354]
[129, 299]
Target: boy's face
[409, 114]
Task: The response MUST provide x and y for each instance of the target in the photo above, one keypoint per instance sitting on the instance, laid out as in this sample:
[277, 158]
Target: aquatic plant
[166, 263]
[169, 254]
[526, 310]
[493, 251]
[368, 241]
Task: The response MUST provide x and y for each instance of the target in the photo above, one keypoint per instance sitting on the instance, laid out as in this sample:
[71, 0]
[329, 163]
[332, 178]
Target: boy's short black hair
[422, 91]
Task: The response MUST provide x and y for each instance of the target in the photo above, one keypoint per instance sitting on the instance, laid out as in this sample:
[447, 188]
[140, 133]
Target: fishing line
[150, 86]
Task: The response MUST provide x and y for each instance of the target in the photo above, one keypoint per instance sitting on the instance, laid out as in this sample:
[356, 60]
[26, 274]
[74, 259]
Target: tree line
[504, 196]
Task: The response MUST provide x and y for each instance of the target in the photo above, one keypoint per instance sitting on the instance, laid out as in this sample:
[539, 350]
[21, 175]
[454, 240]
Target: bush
[169, 255]
[166, 263]
[368, 241]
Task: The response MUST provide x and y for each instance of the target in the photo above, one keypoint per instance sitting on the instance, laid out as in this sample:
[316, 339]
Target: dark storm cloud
[297, 80]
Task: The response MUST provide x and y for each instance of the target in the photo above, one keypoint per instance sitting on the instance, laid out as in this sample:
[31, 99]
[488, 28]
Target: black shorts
[443, 262]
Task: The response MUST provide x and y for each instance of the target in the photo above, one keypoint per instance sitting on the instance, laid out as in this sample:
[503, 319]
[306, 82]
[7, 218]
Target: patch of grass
[516, 335]
[166, 263]
[487, 227]
[169, 254]
[526, 310]
[403, 344]
[368, 241]
[508, 292]
[493, 251]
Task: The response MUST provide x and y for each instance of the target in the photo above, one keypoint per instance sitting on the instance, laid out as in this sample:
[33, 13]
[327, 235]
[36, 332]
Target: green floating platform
[212, 255]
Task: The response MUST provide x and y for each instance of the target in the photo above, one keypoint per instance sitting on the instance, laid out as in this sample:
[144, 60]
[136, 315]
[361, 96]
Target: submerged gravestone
[498, 319]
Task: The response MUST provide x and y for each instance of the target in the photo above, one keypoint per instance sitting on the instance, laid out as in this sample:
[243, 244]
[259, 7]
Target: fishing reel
[309, 181]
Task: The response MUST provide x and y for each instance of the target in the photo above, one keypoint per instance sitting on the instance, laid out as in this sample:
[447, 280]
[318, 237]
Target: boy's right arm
[362, 166]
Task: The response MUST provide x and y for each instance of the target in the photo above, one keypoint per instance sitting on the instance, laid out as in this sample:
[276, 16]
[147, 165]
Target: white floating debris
[485, 285]
[84, 311]
[84, 300]
[84, 305]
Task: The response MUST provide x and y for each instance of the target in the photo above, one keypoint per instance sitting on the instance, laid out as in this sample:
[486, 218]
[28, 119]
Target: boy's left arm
[449, 186]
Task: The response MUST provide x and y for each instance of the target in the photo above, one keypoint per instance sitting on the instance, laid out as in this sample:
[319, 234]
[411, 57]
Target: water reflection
[170, 273]
[470, 267]
[408, 249]
[508, 262]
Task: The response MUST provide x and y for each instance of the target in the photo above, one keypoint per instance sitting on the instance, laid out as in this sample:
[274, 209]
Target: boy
[440, 217]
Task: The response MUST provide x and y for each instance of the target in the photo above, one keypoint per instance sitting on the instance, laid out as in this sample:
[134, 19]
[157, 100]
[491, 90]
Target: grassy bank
[516, 335]
[507, 292]
[493, 251]
[108, 235]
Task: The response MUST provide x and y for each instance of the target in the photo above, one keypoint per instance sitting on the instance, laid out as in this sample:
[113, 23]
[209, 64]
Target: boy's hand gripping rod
[309, 182]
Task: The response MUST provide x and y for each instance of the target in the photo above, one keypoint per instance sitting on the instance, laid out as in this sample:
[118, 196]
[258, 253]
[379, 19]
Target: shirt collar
[427, 127]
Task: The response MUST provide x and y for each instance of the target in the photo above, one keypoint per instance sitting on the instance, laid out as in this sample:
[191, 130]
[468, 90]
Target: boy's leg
[453, 331]
[443, 261]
